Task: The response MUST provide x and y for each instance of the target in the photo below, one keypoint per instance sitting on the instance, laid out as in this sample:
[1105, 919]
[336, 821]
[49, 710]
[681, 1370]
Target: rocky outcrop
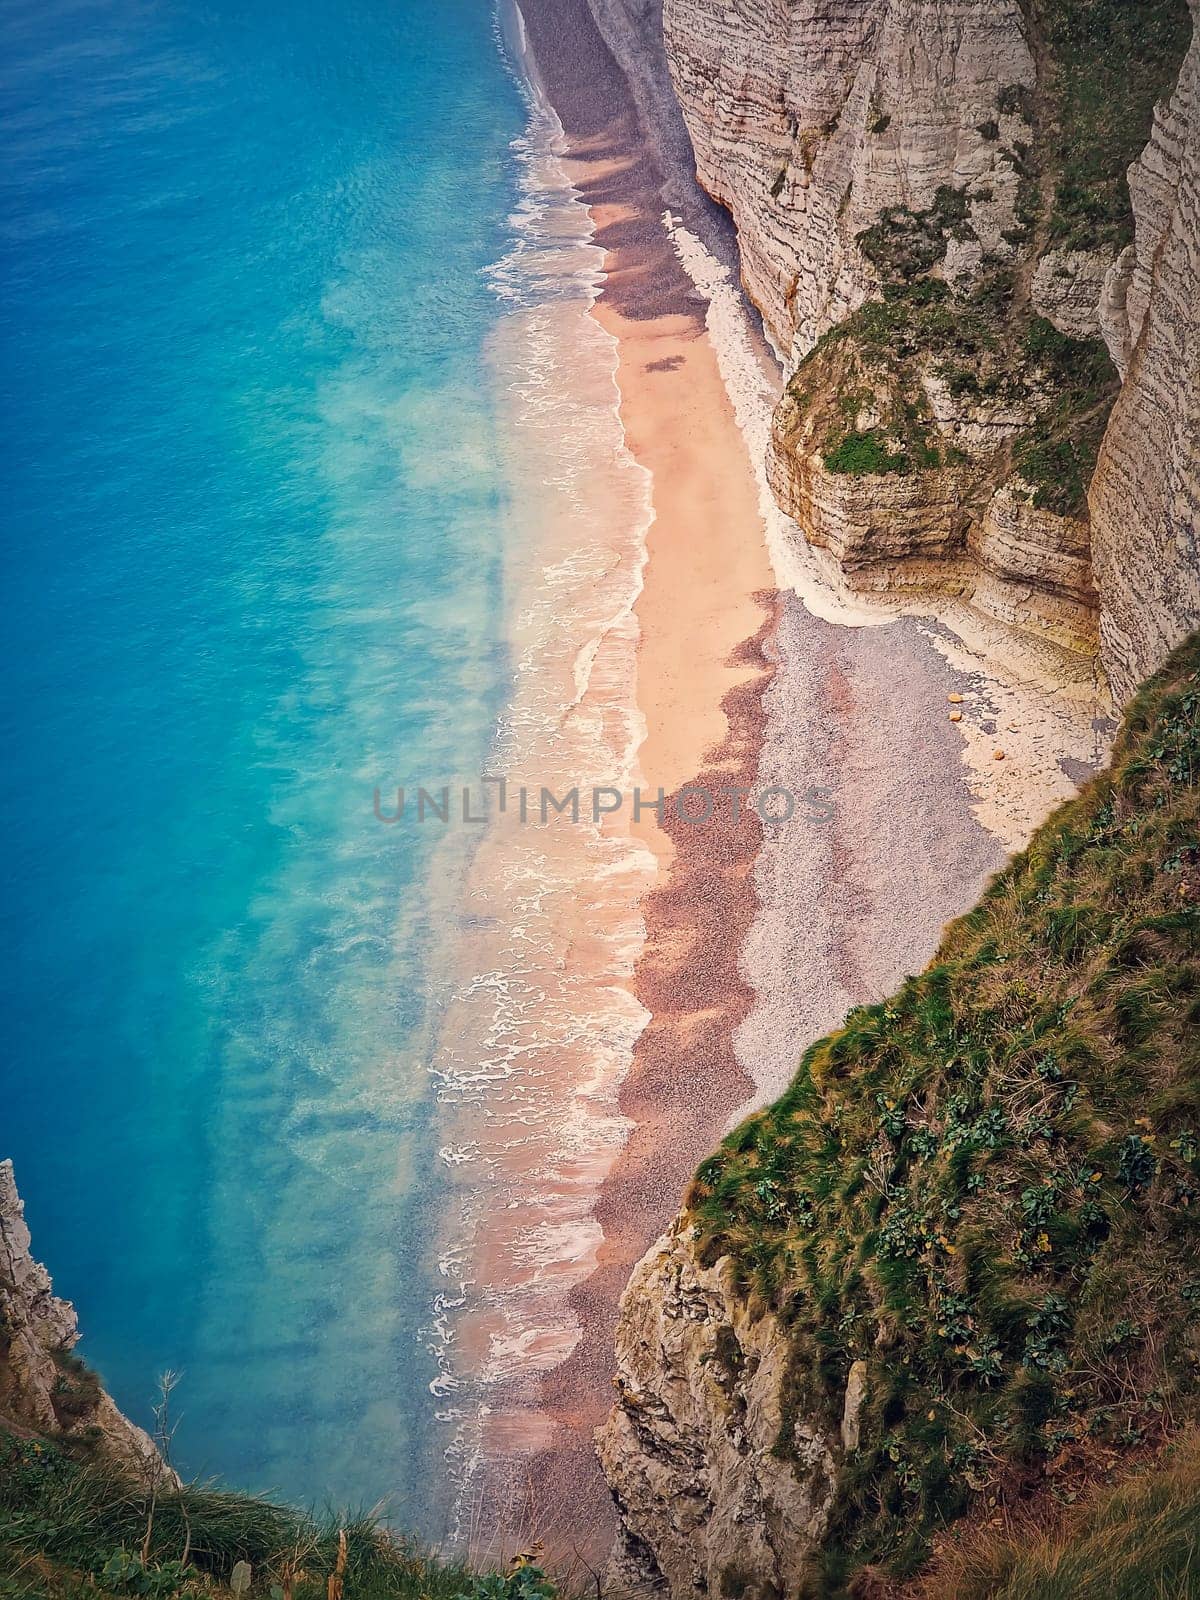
[721, 1489]
[866, 146]
[1145, 496]
[44, 1388]
[898, 446]
[869, 145]
[1067, 289]
[935, 530]
[1033, 567]
[888, 531]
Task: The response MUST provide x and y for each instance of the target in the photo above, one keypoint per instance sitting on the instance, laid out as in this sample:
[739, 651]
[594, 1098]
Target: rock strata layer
[810, 118]
[1145, 496]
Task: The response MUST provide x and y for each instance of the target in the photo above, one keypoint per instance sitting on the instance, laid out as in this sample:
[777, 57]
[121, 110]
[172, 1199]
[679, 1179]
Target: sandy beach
[707, 583]
[754, 938]
[704, 617]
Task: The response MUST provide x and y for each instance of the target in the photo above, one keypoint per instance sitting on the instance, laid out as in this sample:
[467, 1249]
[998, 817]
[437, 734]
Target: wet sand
[684, 1087]
[707, 580]
[705, 616]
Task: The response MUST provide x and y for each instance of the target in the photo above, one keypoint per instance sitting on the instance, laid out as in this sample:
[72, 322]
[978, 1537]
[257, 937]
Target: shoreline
[704, 615]
[750, 666]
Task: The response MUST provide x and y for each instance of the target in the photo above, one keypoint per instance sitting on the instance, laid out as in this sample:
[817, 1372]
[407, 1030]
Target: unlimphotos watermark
[694, 803]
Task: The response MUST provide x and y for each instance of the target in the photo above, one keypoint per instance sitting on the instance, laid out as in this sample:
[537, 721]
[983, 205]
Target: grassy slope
[72, 1527]
[987, 1188]
[1137, 1541]
[1112, 59]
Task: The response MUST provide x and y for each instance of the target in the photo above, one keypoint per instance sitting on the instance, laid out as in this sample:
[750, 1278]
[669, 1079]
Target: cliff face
[706, 1501]
[889, 150]
[44, 1389]
[1145, 496]
[810, 119]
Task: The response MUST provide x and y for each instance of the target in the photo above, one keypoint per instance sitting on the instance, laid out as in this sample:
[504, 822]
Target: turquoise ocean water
[253, 565]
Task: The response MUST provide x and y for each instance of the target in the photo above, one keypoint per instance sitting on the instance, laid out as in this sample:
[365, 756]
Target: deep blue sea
[252, 540]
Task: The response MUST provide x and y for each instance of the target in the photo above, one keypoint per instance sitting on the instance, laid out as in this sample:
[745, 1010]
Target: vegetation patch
[987, 1188]
[1137, 1541]
[874, 361]
[76, 1391]
[1113, 59]
[867, 452]
[1017, 100]
[880, 358]
[974, 345]
[904, 243]
[1057, 455]
[73, 1527]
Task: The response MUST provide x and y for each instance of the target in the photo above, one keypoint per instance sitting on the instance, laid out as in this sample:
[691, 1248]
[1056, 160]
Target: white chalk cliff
[1145, 496]
[816, 121]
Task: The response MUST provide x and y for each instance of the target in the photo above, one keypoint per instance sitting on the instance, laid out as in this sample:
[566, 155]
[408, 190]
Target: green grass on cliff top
[74, 1527]
[1139, 1540]
[987, 1188]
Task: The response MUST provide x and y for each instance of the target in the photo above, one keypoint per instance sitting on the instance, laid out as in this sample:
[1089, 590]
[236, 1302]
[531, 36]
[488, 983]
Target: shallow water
[257, 552]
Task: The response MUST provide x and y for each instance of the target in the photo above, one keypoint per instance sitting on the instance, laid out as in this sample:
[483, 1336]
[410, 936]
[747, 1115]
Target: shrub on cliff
[987, 1188]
